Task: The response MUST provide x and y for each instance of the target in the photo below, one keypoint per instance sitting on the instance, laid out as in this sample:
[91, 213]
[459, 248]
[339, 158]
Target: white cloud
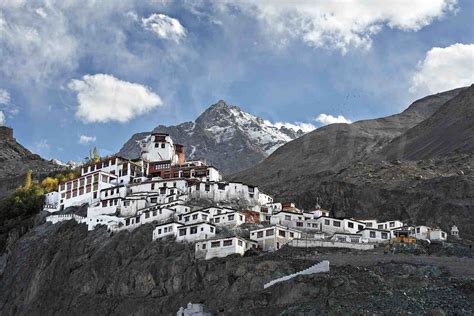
[164, 27]
[340, 24]
[2, 118]
[104, 98]
[305, 127]
[84, 139]
[4, 96]
[444, 69]
[326, 119]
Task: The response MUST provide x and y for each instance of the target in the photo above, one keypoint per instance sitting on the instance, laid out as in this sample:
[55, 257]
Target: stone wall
[6, 132]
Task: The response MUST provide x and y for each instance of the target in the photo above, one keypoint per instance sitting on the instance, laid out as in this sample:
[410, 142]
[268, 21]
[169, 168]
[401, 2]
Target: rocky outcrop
[224, 136]
[63, 269]
[16, 160]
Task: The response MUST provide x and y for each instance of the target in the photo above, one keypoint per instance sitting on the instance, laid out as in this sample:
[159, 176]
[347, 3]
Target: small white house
[195, 232]
[231, 219]
[193, 217]
[421, 232]
[374, 235]
[166, 229]
[390, 225]
[222, 247]
[438, 235]
[274, 237]
[332, 225]
[51, 201]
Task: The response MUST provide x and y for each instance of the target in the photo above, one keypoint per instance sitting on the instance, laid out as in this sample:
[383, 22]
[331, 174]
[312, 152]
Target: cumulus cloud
[444, 69]
[305, 127]
[4, 96]
[326, 119]
[103, 98]
[2, 118]
[341, 24]
[164, 27]
[84, 139]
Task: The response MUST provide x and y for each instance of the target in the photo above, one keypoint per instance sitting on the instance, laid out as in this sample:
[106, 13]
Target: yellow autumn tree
[28, 180]
[50, 184]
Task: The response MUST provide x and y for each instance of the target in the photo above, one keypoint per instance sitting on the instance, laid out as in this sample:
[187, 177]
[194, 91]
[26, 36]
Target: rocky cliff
[224, 136]
[63, 269]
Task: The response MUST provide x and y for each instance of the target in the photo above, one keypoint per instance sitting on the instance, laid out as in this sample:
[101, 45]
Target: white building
[347, 237]
[421, 232]
[193, 217]
[374, 235]
[229, 219]
[389, 225]
[51, 201]
[166, 229]
[85, 189]
[225, 191]
[195, 232]
[273, 237]
[455, 231]
[303, 221]
[192, 310]
[222, 247]
[160, 147]
[438, 235]
[332, 225]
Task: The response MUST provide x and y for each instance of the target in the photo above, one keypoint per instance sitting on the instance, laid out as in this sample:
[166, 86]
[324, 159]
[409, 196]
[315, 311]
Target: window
[369, 224]
[154, 213]
[269, 232]
[259, 234]
[287, 217]
[392, 224]
[241, 217]
[207, 187]
[138, 219]
[282, 233]
[159, 231]
[163, 145]
[384, 236]
[299, 224]
[372, 234]
[186, 219]
[326, 222]
[336, 224]
[127, 221]
[350, 225]
[156, 145]
[354, 239]
[292, 235]
[231, 217]
[360, 227]
[380, 226]
[193, 230]
[215, 244]
[204, 246]
[212, 229]
[228, 242]
[418, 230]
[217, 220]
[152, 186]
[147, 214]
[239, 242]
[195, 216]
[182, 232]
[154, 200]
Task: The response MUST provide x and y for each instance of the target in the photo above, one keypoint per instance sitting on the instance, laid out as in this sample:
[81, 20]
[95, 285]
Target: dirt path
[459, 267]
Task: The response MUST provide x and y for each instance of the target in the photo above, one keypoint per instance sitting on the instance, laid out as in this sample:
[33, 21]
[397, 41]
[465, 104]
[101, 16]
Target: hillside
[431, 182]
[224, 136]
[331, 148]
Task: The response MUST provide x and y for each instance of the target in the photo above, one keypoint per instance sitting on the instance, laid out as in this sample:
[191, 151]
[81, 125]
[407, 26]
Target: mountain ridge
[223, 135]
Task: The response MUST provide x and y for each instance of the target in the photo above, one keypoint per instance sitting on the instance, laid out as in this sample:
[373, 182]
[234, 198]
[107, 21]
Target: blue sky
[78, 74]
